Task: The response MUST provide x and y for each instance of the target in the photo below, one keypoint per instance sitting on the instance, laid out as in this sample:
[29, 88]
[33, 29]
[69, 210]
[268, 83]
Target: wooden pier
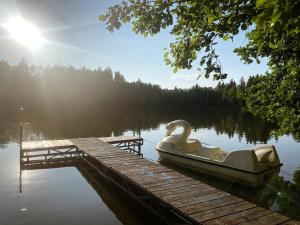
[58, 153]
[170, 195]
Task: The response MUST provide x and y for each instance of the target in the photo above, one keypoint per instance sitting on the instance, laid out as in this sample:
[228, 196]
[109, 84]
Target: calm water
[76, 195]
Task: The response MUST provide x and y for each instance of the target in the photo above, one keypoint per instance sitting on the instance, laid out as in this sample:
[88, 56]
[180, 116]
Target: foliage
[196, 25]
[69, 91]
[272, 30]
[275, 96]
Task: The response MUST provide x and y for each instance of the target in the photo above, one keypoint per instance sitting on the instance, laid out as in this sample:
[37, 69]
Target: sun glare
[24, 32]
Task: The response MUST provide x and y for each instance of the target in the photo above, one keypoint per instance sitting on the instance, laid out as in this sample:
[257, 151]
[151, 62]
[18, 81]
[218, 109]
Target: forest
[66, 91]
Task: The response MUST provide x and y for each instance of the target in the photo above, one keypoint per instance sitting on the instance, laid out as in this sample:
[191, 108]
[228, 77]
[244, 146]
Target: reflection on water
[74, 194]
[50, 190]
[125, 208]
[222, 122]
[283, 195]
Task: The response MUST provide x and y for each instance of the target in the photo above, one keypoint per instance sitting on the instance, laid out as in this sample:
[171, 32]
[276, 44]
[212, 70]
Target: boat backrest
[191, 146]
[265, 153]
[243, 159]
[260, 157]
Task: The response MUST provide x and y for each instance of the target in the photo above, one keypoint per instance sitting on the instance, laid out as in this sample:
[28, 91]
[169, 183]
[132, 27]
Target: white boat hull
[213, 168]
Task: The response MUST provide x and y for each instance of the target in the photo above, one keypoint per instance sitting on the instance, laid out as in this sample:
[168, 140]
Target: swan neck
[186, 132]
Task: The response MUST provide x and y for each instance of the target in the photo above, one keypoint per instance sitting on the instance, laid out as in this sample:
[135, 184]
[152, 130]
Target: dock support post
[139, 149]
[20, 159]
[133, 129]
[21, 137]
[139, 128]
[139, 144]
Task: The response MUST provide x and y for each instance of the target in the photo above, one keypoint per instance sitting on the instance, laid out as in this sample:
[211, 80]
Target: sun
[24, 32]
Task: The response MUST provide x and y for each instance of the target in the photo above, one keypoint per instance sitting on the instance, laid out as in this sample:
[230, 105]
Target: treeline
[69, 91]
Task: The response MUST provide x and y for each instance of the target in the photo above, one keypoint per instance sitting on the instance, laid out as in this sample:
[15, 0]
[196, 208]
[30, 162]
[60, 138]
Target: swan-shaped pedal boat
[250, 167]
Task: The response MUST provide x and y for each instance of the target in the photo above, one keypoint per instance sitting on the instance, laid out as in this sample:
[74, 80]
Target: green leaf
[167, 61]
[102, 17]
[226, 37]
[276, 15]
[166, 54]
[202, 62]
[260, 3]
[210, 19]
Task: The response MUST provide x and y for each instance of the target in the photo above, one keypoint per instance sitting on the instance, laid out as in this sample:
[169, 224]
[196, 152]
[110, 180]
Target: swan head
[171, 127]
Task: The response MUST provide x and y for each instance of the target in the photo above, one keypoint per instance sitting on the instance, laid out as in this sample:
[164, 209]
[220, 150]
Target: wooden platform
[179, 198]
[58, 153]
[28, 146]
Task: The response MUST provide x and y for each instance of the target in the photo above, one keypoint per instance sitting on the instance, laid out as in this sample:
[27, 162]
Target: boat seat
[219, 155]
[191, 146]
[263, 155]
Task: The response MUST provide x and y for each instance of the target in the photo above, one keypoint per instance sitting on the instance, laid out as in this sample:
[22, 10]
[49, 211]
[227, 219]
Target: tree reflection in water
[283, 195]
[53, 127]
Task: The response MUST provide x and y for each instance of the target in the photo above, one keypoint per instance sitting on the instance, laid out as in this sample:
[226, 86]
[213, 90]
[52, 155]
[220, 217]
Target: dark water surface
[77, 195]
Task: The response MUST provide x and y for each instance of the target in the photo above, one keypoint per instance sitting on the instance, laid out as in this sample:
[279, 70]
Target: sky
[75, 36]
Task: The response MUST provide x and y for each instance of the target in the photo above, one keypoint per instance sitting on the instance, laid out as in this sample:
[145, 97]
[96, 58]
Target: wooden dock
[58, 153]
[170, 195]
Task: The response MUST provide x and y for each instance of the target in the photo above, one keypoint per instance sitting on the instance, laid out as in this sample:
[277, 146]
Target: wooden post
[139, 128]
[21, 153]
[21, 148]
[139, 150]
[139, 132]
[21, 137]
[133, 132]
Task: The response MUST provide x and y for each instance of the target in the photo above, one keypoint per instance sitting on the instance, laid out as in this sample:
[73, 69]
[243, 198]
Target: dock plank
[240, 217]
[45, 144]
[28, 145]
[145, 179]
[144, 170]
[183, 195]
[222, 211]
[199, 199]
[119, 139]
[169, 186]
[199, 207]
[147, 167]
[169, 182]
[270, 219]
[185, 188]
[291, 222]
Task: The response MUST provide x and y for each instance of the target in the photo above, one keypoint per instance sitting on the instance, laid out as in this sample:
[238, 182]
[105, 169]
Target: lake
[77, 195]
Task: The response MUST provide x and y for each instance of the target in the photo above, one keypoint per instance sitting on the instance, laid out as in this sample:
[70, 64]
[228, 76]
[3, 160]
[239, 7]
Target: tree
[241, 90]
[272, 29]
[119, 78]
